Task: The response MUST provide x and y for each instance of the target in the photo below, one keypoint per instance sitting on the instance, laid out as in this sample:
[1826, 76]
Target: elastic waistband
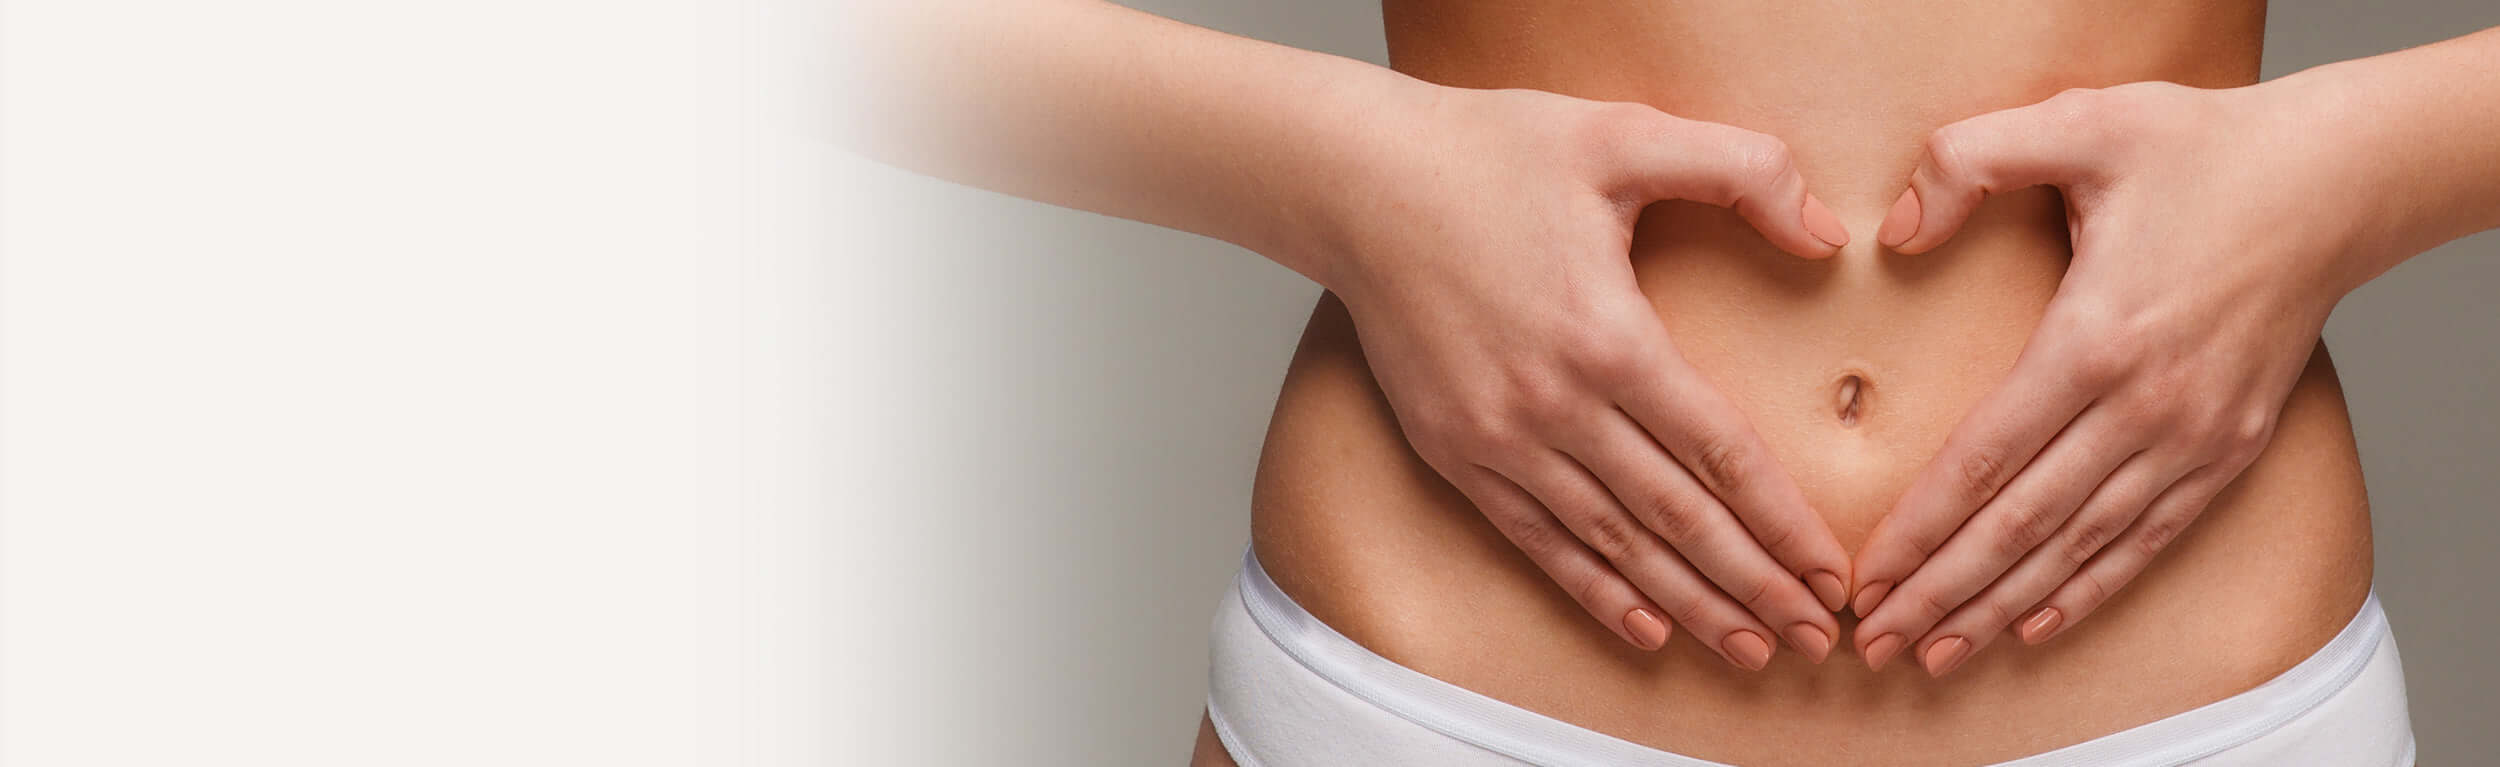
[1528, 736]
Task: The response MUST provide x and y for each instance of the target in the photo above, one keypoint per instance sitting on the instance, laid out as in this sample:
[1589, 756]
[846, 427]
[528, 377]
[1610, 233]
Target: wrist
[2360, 215]
[1375, 135]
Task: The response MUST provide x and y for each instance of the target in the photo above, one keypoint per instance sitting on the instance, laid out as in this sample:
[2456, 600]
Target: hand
[2202, 276]
[1485, 262]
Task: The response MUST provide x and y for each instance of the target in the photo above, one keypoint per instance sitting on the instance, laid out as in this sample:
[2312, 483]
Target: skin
[2163, 362]
[1518, 360]
[1524, 362]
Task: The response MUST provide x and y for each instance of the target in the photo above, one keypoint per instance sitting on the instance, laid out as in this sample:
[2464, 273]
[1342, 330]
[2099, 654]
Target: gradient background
[1068, 410]
[531, 382]
[395, 384]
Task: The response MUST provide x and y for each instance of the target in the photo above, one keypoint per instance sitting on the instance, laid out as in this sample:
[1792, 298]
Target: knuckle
[2026, 524]
[1932, 607]
[1995, 612]
[1721, 462]
[1672, 518]
[1752, 590]
[2101, 350]
[2247, 437]
[1608, 353]
[2159, 532]
[1944, 152]
[1979, 473]
[2097, 118]
[1764, 161]
[2079, 103]
[1617, 126]
[1686, 608]
[1539, 401]
[1588, 587]
[2089, 592]
[1477, 431]
[1612, 536]
[2089, 535]
[1774, 534]
[1536, 539]
[2103, 365]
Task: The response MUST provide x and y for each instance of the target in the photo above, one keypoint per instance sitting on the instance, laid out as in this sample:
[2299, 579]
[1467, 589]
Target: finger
[1666, 499]
[2045, 143]
[1751, 173]
[1704, 432]
[2112, 507]
[1992, 442]
[2033, 506]
[1599, 589]
[1591, 513]
[2128, 554]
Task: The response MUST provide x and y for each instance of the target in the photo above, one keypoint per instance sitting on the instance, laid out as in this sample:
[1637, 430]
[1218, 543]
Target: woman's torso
[1358, 530]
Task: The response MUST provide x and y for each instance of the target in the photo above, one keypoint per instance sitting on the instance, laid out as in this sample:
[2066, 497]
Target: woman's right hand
[1485, 260]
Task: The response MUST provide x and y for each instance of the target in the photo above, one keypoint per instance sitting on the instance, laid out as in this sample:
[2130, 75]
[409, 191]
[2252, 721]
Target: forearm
[1097, 107]
[2419, 131]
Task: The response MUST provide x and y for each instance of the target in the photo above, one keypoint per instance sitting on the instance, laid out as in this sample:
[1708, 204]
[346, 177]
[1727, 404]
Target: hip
[1363, 534]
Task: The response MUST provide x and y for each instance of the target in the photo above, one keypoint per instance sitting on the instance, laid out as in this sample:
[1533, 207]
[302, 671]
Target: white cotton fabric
[1286, 690]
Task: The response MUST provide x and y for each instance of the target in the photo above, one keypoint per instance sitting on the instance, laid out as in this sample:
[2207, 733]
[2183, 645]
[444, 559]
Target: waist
[1358, 530]
[1280, 678]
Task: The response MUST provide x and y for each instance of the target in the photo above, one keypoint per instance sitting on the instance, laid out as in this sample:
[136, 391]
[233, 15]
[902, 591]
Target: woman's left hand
[2205, 236]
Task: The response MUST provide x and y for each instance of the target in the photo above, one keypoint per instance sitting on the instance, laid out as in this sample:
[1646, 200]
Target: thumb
[1752, 173]
[2044, 143]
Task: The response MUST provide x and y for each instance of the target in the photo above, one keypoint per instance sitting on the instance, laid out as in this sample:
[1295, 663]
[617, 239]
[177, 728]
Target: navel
[1849, 397]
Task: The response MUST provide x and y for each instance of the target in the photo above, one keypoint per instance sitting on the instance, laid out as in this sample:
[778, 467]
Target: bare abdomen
[1853, 370]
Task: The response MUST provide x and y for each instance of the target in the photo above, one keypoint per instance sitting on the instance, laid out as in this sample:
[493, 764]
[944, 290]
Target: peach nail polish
[1823, 225]
[1871, 596]
[1880, 651]
[2041, 624]
[1747, 650]
[1809, 639]
[1902, 222]
[1646, 629]
[1828, 589]
[1946, 654]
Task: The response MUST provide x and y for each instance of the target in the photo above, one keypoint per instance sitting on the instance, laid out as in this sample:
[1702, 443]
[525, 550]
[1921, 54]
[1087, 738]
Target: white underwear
[1287, 690]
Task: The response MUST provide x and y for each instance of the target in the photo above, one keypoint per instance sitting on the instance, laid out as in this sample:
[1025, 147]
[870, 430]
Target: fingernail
[1646, 629]
[2041, 624]
[1824, 225]
[1747, 650]
[1809, 639]
[1869, 597]
[1828, 589]
[1901, 222]
[1880, 651]
[1946, 654]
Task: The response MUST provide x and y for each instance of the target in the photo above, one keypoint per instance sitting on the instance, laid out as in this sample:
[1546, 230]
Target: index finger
[1993, 441]
[1706, 433]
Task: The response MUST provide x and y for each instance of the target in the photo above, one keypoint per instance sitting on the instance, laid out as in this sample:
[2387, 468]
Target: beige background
[1064, 411]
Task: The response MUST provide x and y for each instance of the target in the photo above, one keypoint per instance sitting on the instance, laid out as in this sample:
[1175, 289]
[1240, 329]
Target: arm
[1097, 107]
[1479, 239]
[2425, 139]
[2214, 232]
